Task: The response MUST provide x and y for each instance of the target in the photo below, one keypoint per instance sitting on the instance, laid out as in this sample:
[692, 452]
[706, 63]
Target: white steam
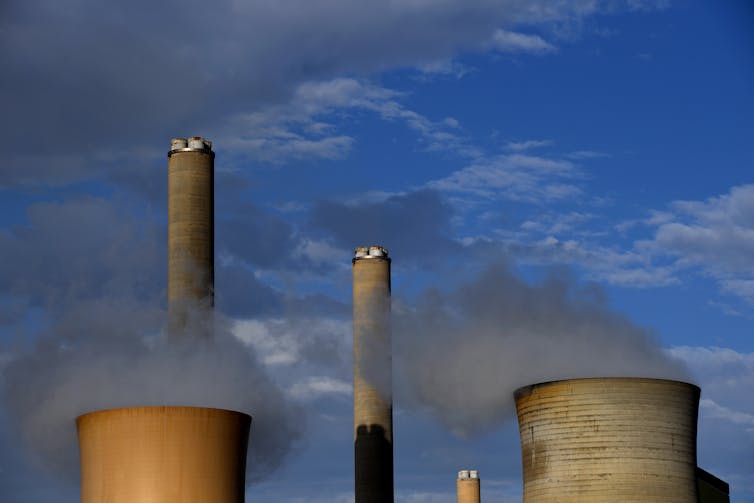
[462, 354]
[68, 374]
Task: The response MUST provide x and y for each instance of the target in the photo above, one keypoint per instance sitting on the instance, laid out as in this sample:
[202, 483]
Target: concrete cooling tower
[372, 376]
[172, 454]
[609, 440]
[191, 254]
[163, 455]
[467, 487]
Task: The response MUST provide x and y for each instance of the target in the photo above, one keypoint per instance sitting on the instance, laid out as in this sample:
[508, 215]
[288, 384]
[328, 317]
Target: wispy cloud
[521, 146]
[516, 177]
[717, 411]
[443, 68]
[314, 387]
[609, 264]
[510, 41]
[304, 128]
[722, 373]
[585, 154]
[726, 415]
[714, 236]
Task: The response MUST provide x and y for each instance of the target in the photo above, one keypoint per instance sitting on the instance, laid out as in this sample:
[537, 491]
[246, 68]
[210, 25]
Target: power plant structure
[468, 488]
[372, 376]
[163, 454]
[191, 234]
[608, 440]
[170, 454]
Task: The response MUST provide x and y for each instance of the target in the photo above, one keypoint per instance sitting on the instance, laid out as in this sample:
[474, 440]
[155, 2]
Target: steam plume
[462, 354]
[78, 370]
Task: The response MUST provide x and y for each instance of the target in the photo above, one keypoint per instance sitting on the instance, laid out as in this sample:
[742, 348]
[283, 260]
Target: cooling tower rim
[167, 408]
[529, 388]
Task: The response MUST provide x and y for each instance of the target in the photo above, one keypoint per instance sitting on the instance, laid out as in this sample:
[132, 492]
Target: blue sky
[596, 155]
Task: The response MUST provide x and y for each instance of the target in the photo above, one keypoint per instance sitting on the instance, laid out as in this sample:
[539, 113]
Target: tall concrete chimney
[163, 454]
[372, 376]
[191, 231]
[467, 487]
[608, 440]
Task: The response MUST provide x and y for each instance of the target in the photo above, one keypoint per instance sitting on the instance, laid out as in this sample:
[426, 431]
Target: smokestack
[467, 487]
[372, 376]
[608, 440]
[191, 254]
[163, 454]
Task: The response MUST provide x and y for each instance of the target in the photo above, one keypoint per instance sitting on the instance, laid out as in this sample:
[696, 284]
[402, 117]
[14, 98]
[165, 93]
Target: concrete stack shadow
[372, 376]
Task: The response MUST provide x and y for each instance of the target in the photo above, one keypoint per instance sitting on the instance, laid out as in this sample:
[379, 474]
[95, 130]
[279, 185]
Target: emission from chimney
[372, 377]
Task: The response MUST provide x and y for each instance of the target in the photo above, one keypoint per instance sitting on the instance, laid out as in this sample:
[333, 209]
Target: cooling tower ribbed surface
[190, 230]
[372, 381]
[163, 455]
[608, 440]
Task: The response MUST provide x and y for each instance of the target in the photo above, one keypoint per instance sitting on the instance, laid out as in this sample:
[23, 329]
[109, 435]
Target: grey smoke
[69, 373]
[461, 354]
[85, 279]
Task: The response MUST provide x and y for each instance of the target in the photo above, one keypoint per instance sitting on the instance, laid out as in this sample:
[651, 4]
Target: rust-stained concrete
[190, 233]
[163, 455]
[608, 440]
[373, 413]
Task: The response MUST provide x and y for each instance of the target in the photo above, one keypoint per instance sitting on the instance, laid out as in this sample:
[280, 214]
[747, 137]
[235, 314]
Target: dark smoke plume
[462, 354]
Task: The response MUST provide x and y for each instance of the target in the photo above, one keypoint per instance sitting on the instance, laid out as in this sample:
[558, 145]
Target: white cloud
[293, 341]
[742, 287]
[274, 349]
[320, 252]
[725, 376]
[585, 154]
[556, 223]
[443, 68]
[714, 236]
[522, 146]
[726, 416]
[508, 41]
[254, 55]
[647, 4]
[317, 386]
[717, 411]
[303, 128]
[601, 263]
[516, 177]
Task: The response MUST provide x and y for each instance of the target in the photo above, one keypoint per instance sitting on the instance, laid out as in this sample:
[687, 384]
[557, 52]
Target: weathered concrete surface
[163, 454]
[608, 440]
[190, 235]
[468, 490]
[373, 413]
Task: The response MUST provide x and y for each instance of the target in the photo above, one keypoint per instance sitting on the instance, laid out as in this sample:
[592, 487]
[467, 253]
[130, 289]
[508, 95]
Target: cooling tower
[372, 376]
[467, 487]
[190, 232]
[163, 455]
[608, 440]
